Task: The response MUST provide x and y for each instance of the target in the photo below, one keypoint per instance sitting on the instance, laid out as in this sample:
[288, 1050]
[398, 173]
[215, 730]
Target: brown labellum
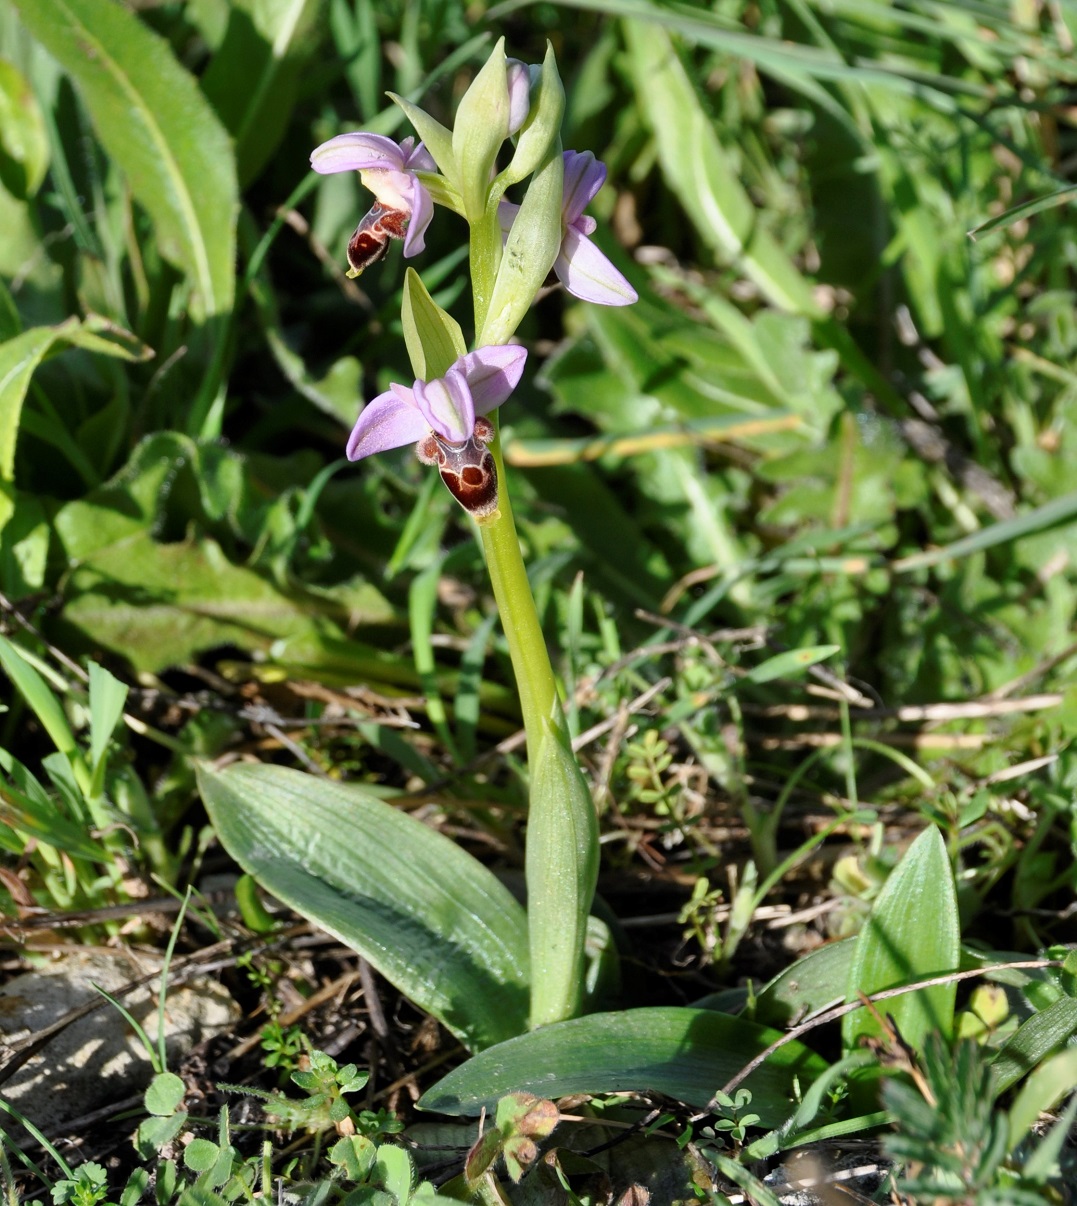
[467, 468]
[371, 239]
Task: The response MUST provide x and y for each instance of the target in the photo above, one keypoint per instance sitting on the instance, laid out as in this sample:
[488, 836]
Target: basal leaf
[433, 920]
[154, 122]
[912, 933]
[1045, 1031]
[687, 1054]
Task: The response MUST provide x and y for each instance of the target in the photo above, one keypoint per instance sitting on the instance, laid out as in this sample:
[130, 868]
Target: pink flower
[583, 270]
[446, 407]
[403, 208]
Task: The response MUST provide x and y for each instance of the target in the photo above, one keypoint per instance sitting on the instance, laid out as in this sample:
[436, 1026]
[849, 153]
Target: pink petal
[356, 152]
[492, 374]
[587, 274]
[584, 176]
[422, 210]
[389, 421]
[446, 405]
[419, 160]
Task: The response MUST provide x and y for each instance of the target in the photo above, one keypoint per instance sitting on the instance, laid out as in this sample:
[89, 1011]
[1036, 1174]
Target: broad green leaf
[160, 605]
[24, 147]
[254, 75]
[1036, 1038]
[154, 122]
[562, 870]
[912, 933]
[19, 357]
[433, 337]
[433, 920]
[687, 1054]
[792, 661]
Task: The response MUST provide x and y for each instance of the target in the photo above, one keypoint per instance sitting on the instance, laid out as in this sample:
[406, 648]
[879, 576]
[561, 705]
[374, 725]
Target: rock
[99, 1058]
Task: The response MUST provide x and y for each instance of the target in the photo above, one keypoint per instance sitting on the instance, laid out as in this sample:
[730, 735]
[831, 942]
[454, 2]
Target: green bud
[543, 126]
[481, 126]
[530, 250]
[433, 338]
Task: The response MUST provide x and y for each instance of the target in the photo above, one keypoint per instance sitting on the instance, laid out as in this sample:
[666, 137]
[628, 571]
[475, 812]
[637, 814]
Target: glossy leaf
[154, 122]
[814, 981]
[686, 1054]
[912, 933]
[433, 920]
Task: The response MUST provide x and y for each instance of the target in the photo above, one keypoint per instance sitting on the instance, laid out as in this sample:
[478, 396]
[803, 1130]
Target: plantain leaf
[912, 933]
[154, 122]
[687, 1054]
[432, 919]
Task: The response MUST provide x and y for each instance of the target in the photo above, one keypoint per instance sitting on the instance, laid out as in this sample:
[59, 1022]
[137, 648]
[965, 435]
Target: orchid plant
[452, 936]
[450, 410]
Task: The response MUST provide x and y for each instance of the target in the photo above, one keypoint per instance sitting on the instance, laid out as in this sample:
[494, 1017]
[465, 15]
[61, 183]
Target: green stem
[519, 617]
[485, 257]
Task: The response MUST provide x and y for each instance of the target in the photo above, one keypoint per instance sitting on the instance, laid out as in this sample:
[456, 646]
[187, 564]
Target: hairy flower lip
[584, 270]
[388, 169]
[448, 407]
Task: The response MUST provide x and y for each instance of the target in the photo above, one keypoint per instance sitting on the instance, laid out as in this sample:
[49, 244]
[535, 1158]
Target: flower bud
[542, 127]
[481, 126]
[519, 76]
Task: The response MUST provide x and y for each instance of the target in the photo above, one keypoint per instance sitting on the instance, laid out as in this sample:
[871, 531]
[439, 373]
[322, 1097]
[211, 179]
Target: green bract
[433, 337]
[530, 250]
[482, 125]
[542, 130]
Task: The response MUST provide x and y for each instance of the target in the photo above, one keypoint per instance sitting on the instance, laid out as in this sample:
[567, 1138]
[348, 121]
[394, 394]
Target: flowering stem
[519, 617]
[561, 862]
